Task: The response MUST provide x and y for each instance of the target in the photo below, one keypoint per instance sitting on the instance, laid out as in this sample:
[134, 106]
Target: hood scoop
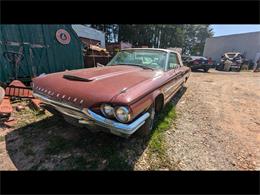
[76, 78]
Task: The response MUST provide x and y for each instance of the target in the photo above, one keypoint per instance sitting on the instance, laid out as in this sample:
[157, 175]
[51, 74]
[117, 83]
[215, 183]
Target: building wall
[246, 43]
[40, 50]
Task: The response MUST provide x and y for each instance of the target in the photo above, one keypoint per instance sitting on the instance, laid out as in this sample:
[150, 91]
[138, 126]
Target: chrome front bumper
[86, 116]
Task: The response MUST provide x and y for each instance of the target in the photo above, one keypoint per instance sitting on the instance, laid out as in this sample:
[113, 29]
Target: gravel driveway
[218, 123]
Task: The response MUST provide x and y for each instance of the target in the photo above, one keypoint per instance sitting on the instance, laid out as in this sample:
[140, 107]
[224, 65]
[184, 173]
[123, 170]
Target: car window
[147, 58]
[173, 61]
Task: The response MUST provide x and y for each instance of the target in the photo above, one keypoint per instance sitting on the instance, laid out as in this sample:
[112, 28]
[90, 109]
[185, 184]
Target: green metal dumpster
[27, 51]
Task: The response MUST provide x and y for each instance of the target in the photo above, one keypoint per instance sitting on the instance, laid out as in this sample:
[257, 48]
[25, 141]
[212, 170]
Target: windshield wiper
[75, 78]
[144, 67]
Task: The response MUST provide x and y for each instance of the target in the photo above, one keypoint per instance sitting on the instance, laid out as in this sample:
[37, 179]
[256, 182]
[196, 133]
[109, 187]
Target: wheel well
[159, 101]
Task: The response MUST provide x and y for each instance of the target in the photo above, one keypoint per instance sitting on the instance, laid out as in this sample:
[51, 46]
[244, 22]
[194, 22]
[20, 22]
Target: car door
[174, 75]
[183, 69]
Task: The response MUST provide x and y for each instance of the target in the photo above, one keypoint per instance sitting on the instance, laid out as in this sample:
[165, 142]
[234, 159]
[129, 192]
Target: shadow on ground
[53, 144]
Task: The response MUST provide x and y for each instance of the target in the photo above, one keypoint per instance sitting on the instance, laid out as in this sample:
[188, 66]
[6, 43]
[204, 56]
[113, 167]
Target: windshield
[145, 58]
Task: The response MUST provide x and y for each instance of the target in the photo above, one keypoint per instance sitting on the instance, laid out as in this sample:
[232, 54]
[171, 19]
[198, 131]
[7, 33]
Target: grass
[156, 144]
[2, 138]
[29, 116]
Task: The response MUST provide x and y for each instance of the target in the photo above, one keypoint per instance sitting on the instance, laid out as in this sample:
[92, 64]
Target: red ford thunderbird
[124, 96]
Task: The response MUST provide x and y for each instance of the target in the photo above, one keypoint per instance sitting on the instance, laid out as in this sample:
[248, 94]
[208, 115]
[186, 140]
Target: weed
[2, 138]
[156, 144]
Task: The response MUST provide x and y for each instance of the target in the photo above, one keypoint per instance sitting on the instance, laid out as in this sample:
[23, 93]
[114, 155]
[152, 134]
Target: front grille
[61, 107]
[71, 112]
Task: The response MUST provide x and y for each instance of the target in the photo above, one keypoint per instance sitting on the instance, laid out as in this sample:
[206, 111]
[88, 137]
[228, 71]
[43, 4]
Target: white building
[246, 43]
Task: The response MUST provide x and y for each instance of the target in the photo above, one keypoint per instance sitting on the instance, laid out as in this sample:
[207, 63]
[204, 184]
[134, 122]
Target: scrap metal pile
[95, 54]
[8, 93]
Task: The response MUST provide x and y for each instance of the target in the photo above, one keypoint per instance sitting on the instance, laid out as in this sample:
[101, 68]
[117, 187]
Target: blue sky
[220, 30]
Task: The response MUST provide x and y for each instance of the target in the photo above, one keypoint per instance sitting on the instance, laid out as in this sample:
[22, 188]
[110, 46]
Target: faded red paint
[5, 107]
[119, 85]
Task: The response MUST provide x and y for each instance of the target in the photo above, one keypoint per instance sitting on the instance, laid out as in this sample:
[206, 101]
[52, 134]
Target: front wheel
[148, 126]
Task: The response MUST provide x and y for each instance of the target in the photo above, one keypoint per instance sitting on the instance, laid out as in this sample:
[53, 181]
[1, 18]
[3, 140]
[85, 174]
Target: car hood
[86, 87]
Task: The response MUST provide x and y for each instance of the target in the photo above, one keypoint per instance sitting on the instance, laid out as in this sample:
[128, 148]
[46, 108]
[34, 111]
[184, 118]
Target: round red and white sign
[63, 36]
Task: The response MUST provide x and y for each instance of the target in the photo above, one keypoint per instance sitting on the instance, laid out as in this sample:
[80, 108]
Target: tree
[191, 38]
[195, 37]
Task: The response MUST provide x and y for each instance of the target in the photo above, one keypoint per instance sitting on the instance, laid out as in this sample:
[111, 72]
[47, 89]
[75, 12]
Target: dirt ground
[217, 127]
[218, 123]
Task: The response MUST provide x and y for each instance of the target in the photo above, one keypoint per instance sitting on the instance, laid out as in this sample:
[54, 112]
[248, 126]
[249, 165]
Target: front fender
[144, 103]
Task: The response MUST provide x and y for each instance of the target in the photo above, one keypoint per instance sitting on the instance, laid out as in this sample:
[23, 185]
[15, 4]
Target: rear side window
[173, 61]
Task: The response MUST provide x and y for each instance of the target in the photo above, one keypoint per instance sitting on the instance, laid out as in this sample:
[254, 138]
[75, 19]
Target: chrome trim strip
[49, 101]
[115, 127]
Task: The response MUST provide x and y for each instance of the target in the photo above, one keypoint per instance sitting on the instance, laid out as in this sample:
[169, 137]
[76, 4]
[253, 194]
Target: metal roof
[90, 33]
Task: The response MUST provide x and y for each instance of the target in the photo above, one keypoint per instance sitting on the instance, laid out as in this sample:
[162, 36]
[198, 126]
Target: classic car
[122, 97]
[197, 62]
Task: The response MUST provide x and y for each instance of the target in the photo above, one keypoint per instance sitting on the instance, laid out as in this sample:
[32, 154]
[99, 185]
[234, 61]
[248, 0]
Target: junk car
[197, 62]
[231, 61]
[121, 98]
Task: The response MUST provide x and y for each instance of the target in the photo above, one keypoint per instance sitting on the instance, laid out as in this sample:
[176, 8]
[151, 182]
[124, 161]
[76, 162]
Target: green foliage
[2, 138]
[156, 144]
[189, 37]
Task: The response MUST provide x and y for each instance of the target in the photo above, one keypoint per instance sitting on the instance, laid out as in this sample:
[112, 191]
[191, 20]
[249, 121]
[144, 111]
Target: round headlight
[122, 114]
[107, 110]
